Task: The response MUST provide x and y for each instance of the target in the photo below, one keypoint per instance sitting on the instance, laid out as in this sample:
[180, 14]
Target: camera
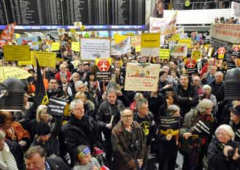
[234, 145]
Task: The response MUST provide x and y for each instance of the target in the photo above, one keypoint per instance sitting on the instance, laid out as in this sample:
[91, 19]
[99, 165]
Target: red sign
[103, 65]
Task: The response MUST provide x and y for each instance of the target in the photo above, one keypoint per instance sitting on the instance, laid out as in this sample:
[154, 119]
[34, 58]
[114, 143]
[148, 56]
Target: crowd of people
[107, 126]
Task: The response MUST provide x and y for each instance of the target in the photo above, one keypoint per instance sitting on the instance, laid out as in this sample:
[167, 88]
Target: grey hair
[126, 110]
[227, 128]
[111, 90]
[172, 109]
[2, 134]
[74, 103]
[204, 104]
[40, 110]
[206, 86]
[140, 102]
[78, 83]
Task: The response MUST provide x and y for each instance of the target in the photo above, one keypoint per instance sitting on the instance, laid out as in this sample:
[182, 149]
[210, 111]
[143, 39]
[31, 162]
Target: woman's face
[159, 7]
[223, 136]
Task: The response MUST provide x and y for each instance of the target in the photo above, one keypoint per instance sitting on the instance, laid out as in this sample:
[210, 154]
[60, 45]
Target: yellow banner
[76, 46]
[188, 42]
[119, 38]
[55, 46]
[16, 53]
[150, 40]
[45, 59]
[13, 72]
[164, 54]
[196, 54]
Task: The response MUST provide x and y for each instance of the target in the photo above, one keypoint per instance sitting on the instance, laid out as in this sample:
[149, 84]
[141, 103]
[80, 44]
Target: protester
[128, 142]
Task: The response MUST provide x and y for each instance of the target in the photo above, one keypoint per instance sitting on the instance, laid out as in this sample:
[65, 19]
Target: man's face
[112, 97]
[143, 110]
[196, 81]
[53, 84]
[184, 81]
[80, 88]
[218, 78]
[127, 118]
[36, 162]
[78, 111]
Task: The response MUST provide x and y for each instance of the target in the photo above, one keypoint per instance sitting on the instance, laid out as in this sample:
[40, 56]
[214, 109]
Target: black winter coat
[217, 160]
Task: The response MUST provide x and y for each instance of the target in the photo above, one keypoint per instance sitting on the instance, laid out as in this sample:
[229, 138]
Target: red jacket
[58, 78]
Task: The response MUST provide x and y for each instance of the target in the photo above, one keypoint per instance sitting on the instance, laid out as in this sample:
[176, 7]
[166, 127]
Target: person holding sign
[167, 135]
[196, 134]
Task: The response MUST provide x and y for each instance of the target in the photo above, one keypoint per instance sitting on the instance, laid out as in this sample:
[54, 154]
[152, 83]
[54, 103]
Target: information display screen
[66, 12]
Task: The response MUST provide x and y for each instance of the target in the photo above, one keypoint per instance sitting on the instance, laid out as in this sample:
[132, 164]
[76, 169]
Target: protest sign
[187, 42]
[76, 46]
[142, 77]
[136, 43]
[55, 46]
[13, 72]
[16, 52]
[150, 43]
[226, 32]
[103, 69]
[95, 48]
[122, 48]
[119, 38]
[179, 50]
[196, 54]
[164, 54]
[56, 106]
[45, 59]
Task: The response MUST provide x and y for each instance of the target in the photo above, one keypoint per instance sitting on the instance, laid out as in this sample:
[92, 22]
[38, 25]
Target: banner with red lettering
[226, 32]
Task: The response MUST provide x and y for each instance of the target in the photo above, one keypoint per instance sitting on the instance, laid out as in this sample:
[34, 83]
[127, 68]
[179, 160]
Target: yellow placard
[17, 35]
[119, 38]
[16, 52]
[73, 31]
[45, 59]
[164, 54]
[138, 48]
[150, 40]
[196, 55]
[188, 42]
[13, 72]
[76, 46]
[55, 46]
[175, 37]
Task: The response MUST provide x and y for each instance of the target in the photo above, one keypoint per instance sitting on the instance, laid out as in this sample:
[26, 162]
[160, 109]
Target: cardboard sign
[142, 77]
[76, 46]
[16, 52]
[150, 43]
[95, 48]
[179, 50]
[56, 106]
[164, 54]
[55, 46]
